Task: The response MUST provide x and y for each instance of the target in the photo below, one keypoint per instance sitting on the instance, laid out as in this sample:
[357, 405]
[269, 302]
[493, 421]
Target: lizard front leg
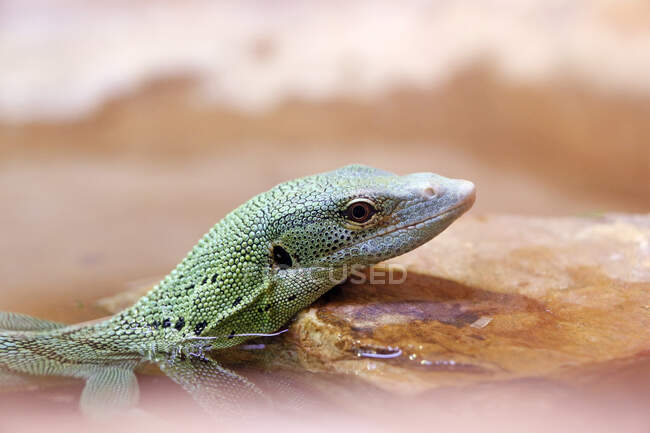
[109, 389]
[216, 389]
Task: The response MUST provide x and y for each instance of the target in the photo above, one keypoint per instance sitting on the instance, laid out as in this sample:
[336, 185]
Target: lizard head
[360, 215]
[281, 250]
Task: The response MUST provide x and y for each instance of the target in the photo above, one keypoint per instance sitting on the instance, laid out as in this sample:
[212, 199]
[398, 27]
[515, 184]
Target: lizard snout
[431, 186]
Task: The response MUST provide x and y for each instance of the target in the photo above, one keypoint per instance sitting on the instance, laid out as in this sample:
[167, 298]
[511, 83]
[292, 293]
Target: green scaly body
[251, 273]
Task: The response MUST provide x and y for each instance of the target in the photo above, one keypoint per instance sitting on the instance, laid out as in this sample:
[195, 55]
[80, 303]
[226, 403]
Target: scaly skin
[253, 271]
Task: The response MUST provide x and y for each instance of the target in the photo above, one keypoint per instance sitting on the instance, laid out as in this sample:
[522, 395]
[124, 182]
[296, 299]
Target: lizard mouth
[450, 213]
[460, 208]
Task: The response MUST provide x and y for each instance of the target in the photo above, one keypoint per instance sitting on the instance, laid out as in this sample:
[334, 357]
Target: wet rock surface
[497, 298]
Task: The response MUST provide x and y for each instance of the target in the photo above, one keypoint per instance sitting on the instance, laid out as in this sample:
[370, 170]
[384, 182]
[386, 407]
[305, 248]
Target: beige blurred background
[127, 129]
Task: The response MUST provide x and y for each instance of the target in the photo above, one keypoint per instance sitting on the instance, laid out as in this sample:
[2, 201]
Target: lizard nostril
[429, 192]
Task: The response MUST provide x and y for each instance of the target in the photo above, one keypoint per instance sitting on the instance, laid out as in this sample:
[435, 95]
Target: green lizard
[253, 271]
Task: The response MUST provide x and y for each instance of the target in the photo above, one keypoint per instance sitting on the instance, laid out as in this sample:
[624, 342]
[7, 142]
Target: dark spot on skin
[166, 323]
[155, 324]
[232, 334]
[205, 280]
[291, 298]
[259, 310]
[214, 278]
[200, 327]
[267, 307]
[183, 357]
[281, 257]
[236, 301]
[180, 324]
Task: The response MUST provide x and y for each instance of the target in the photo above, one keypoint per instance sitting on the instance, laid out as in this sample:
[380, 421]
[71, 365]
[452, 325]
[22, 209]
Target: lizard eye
[359, 211]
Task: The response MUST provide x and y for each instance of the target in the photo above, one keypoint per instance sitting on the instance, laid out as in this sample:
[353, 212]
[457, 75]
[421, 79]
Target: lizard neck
[225, 273]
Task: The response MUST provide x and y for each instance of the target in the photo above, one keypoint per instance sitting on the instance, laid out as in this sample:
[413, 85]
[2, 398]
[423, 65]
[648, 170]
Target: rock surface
[497, 298]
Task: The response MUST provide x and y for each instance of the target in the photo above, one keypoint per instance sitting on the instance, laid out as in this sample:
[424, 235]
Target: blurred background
[128, 128]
